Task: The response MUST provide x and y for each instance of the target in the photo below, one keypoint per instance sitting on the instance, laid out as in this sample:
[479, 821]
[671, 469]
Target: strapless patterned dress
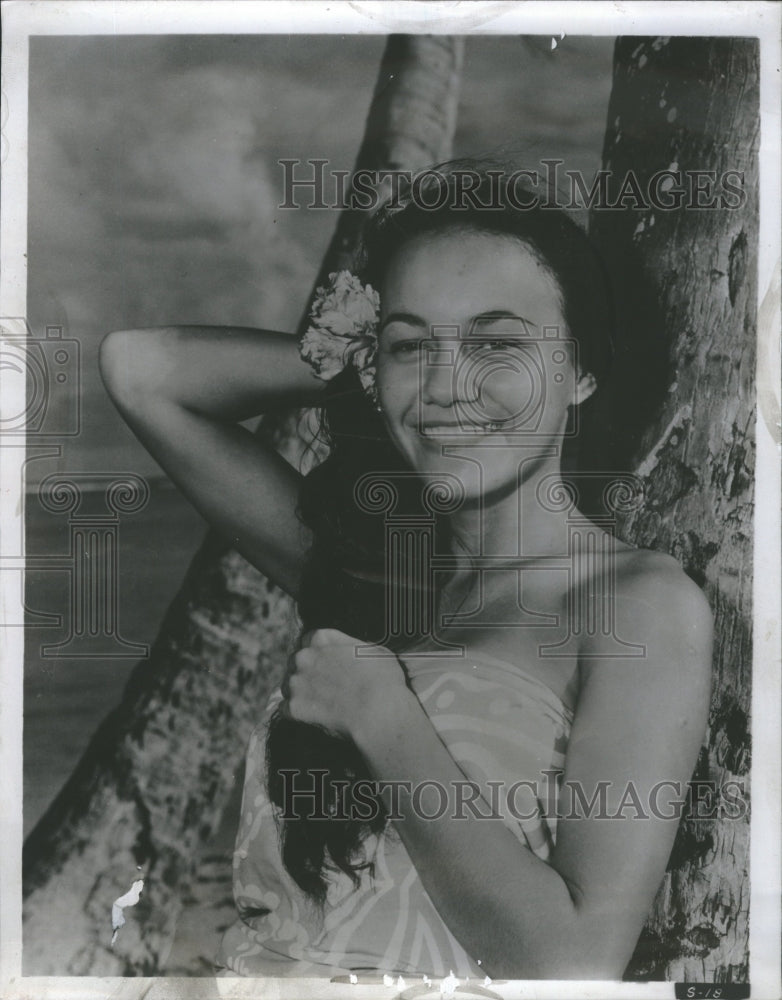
[506, 729]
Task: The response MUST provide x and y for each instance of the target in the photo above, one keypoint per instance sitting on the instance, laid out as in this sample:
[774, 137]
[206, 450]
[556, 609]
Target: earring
[589, 387]
[378, 407]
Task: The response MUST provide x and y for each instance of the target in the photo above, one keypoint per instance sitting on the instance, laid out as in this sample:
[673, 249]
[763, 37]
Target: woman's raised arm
[183, 391]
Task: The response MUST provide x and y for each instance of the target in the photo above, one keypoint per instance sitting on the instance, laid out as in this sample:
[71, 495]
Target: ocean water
[66, 698]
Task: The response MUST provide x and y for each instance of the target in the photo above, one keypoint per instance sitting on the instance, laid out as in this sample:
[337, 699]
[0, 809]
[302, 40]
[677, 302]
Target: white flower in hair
[343, 329]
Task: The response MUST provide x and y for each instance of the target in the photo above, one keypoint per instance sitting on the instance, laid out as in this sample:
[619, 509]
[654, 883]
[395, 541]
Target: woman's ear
[586, 383]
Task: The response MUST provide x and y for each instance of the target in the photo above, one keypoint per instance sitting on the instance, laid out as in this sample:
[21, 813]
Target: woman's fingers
[304, 658]
[298, 708]
[295, 692]
[292, 690]
[324, 637]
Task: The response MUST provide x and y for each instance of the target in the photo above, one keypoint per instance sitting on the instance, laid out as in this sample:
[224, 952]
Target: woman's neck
[527, 522]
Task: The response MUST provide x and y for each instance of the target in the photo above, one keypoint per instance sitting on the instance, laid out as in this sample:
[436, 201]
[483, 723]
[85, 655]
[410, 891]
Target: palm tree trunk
[682, 417]
[154, 781]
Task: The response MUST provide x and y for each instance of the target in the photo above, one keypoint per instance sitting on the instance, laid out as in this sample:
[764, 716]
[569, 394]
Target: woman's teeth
[434, 429]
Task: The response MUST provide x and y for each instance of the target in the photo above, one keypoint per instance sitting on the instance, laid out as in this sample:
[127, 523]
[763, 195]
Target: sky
[154, 181]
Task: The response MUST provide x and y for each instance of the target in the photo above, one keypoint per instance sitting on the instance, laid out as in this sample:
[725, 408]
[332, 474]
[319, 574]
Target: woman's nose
[437, 375]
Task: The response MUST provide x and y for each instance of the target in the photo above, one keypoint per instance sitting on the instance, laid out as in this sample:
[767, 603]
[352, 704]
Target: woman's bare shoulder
[655, 603]
[640, 572]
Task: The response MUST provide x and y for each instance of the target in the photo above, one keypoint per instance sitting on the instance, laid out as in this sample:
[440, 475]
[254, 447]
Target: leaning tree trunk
[682, 418]
[154, 781]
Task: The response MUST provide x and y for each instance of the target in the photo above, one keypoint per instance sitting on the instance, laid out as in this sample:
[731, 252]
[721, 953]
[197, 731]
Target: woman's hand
[328, 684]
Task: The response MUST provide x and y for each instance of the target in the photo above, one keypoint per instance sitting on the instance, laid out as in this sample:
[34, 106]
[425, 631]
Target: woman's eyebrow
[411, 319]
[503, 314]
[404, 317]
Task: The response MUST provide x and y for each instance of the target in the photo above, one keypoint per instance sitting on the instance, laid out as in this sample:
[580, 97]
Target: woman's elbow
[131, 363]
[575, 950]
[586, 955]
[561, 966]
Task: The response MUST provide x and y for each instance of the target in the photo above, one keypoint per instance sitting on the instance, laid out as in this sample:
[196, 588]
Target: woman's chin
[469, 481]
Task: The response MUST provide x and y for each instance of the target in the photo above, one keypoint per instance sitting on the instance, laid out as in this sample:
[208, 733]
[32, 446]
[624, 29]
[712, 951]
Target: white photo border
[119, 17]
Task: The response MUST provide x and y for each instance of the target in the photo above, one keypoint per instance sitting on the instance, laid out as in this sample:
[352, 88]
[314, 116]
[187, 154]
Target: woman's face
[473, 352]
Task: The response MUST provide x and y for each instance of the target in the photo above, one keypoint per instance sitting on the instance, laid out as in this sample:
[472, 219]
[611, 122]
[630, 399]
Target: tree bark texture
[152, 785]
[681, 415]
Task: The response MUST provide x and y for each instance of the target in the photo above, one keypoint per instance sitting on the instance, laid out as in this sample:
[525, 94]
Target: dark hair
[491, 206]
[344, 583]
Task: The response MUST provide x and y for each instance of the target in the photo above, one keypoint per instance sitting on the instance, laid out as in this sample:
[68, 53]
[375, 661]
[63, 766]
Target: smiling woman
[471, 645]
[488, 369]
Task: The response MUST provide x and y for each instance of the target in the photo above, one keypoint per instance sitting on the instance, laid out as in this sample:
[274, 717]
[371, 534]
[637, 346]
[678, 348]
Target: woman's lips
[464, 427]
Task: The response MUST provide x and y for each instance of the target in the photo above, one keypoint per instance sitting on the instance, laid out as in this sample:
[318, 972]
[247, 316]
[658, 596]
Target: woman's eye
[405, 347]
[488, 346]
